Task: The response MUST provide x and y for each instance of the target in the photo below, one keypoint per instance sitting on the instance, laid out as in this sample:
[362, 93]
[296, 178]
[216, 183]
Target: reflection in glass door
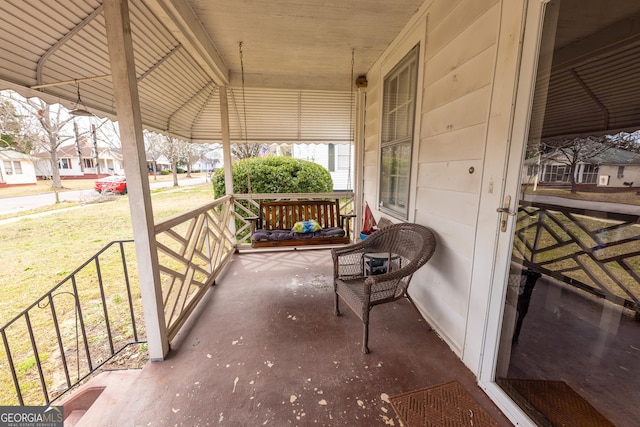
[570, 343]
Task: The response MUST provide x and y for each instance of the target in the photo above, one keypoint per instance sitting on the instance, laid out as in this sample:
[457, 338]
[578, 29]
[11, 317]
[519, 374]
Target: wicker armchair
[403, 249]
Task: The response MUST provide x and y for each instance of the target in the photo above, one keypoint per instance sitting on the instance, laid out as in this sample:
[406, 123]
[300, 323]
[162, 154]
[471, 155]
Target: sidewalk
[86, 197]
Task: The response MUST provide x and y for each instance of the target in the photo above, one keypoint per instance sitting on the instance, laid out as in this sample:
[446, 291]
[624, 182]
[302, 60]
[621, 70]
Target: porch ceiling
[594, 84]
[297, 61]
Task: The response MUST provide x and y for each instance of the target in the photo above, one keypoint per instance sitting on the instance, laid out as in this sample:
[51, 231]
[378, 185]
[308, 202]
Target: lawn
[630, 197]
[39, 251]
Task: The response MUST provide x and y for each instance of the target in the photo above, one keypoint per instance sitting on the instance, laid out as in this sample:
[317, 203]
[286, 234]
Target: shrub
[275, 175]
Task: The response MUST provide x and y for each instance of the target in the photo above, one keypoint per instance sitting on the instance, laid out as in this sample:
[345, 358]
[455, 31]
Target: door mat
[442, 405]
[553, 403]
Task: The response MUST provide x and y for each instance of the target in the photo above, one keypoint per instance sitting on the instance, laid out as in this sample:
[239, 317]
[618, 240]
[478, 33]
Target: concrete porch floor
[265, 348]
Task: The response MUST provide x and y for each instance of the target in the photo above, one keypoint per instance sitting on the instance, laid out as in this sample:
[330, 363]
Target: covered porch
[437, 98]
[265, 348]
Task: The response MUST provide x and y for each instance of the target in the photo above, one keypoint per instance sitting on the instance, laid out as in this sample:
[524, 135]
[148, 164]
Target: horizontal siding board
[452, 235]
[461, 144]
[480, 36]
[470, 110]
[455, 205]
[461, 17]
[469, 77]
[451, 175]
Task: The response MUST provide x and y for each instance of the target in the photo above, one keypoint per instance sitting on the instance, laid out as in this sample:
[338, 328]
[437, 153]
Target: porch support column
[116, 14]
[358, 187]
[226, 156]
[226, 140]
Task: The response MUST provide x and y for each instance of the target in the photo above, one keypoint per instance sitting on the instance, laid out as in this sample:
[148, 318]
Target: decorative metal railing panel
[246, 206]
[74, 329]
[192, 249]
[596, 251]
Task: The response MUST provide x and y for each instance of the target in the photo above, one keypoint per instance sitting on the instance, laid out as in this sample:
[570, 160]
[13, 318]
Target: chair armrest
[346, 217]
[254, 223]
[347, 262]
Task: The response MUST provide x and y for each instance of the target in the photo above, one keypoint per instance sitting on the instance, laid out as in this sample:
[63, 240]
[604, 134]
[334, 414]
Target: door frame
[534, 19]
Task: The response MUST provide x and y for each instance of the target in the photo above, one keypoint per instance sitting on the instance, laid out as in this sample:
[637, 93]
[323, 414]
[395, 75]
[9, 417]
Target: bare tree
[16, 129]
[572, 152]
[52, 121]
[174, 152]
[154, 148]
[194, 152]
[244, 150]
[627, 141]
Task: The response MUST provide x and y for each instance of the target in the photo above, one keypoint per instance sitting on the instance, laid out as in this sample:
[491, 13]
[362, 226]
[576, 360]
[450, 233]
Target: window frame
[64, 163]
[397, 133]
[342, 157]
[8, 168]
[590, 173]
[12, 167]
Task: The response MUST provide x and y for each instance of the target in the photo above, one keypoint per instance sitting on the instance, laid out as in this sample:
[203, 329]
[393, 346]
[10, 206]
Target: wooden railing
[598, 252]
[192, 249]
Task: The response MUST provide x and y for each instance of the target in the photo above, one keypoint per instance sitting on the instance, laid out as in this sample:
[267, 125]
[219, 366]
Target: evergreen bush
[274, 175]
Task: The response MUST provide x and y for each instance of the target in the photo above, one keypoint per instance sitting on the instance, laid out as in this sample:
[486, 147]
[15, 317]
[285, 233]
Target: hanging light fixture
[79, 109]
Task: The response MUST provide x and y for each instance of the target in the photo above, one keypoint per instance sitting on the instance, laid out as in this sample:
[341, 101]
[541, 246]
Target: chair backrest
[413, 243]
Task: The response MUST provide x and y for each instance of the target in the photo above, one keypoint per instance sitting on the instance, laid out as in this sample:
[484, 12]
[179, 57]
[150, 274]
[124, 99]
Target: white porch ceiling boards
[297, 58]
[304, 43]
[293, 50]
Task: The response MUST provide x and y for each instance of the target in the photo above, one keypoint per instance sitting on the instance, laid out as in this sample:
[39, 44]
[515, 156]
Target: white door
[563, 328]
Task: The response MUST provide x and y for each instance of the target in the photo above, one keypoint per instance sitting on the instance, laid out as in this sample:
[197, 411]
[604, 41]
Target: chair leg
[337, 309]
[365, 332]
[365, 337]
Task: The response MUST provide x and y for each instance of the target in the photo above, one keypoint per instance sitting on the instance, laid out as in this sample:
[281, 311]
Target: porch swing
[298, 222]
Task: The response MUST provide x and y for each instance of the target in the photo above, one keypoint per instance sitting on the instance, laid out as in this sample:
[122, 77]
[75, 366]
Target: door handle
[506, 213]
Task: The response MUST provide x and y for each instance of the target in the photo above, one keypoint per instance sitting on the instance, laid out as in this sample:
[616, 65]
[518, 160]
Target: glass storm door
[569, 346]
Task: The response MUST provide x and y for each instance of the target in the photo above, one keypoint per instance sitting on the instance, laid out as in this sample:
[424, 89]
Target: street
[23, 203]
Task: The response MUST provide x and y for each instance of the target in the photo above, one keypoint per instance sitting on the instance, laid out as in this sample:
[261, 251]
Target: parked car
[112, 184]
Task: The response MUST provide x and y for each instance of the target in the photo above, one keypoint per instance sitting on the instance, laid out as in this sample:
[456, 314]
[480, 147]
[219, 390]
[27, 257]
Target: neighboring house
[206, 165]
[16, 168]
[337, 158]
[615, 168]
[162, 163]
[72, 165]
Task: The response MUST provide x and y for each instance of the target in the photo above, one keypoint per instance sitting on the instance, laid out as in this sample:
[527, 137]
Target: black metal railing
[73, 330]
[598, 252]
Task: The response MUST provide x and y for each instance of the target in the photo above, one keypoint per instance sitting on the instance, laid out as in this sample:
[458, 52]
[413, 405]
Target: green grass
[40, 251]
[37, 252]
[629, 197]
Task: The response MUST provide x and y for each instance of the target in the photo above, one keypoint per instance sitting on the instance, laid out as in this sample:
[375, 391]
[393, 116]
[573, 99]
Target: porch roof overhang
[297, 60]
[594, 80]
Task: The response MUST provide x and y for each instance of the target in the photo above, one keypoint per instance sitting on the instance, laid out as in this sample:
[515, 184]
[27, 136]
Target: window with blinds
[398, 106]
